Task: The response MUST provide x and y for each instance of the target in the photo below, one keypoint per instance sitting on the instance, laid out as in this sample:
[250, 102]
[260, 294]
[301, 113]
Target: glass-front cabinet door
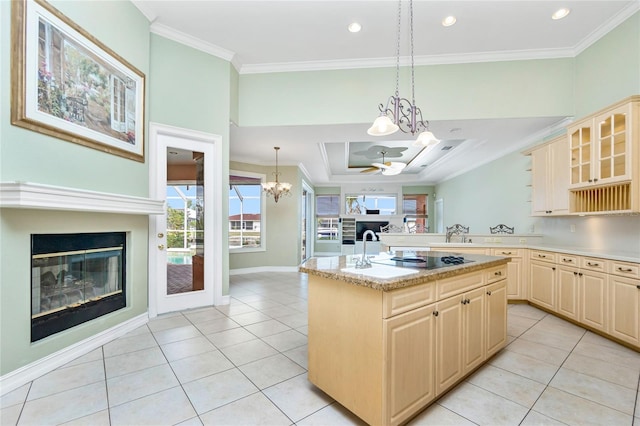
[581, 145]
[613, 145]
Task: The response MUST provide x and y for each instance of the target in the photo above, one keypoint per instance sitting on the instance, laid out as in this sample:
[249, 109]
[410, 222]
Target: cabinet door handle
[463, 301]
[468, 301]
[624, 269]
[575, 273]
[435, 313]
[489, 293]
[595, 180]
[593, 264]
[590, 180]
[580, 273]
[638, 286]
[553, 269]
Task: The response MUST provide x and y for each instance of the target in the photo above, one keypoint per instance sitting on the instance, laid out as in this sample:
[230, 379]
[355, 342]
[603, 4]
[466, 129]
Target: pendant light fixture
[277, 189]
[400, 113]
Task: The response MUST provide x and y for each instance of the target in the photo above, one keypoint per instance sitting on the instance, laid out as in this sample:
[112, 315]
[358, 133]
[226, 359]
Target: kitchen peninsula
[386, 341]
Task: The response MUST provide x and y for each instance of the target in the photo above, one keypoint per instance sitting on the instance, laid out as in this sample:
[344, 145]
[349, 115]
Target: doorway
[185, 244]
[306, 236]
[439, 215]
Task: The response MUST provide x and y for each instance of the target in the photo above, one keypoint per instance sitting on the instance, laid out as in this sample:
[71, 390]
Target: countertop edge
[422, 276]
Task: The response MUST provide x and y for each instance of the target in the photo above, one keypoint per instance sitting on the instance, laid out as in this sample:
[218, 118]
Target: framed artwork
[67, 84]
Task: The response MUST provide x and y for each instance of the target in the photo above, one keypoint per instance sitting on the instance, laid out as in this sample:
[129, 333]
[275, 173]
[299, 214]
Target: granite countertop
[343, 268]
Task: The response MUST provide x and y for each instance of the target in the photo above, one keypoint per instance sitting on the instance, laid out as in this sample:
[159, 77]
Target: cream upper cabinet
[550, 178]
[605, 160]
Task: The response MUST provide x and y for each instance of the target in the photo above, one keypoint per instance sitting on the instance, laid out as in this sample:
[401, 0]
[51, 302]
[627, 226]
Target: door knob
[160, 235]
[161, 247]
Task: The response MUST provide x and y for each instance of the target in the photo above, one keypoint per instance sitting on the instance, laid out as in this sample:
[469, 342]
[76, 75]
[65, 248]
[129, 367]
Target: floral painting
[71, 86]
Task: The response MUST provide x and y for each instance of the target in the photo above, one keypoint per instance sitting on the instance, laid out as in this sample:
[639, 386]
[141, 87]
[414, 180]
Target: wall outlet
[488, 240]
[572, 228]
[523, 240]
[497, 240]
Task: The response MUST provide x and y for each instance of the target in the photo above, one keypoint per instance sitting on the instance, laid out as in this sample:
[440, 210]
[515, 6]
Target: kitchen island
[387, 341]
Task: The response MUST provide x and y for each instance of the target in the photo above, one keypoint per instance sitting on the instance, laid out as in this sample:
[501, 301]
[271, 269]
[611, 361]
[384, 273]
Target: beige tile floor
[245, 364]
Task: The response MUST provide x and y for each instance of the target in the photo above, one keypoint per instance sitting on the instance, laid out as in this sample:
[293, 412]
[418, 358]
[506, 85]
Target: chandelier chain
[398, 50]
[413, 90]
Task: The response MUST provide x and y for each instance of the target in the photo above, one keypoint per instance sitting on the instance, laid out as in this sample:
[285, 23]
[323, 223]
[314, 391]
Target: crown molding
[605, 28]
[194, 42]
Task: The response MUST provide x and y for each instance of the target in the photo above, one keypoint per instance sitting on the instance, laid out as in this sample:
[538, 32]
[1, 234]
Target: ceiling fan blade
[380, 165]
[370, 170]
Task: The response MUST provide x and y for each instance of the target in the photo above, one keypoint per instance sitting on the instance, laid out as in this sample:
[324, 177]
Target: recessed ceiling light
[354, 27]
[560, 13]
[449, 21]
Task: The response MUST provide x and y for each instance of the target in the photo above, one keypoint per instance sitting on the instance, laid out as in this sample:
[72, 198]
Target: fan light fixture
[400, 113]
[277, 189]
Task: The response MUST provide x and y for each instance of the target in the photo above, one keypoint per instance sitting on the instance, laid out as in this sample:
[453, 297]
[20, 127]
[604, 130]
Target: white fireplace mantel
[26, 195]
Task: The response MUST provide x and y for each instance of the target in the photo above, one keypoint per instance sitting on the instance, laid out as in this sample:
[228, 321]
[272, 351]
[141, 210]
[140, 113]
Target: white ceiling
[271, 36]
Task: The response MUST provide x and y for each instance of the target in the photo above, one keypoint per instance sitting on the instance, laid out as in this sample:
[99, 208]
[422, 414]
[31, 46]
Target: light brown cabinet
[386, 355]
[542, 282]
[602, 295]
[550, 178]
[624, 317]
[517, 272]
[409, 342]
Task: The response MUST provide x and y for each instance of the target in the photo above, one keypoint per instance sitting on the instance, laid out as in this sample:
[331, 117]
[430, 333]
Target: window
[245, 211]
[414, 209]
[181, 217]
[372, 204]
[327, 217]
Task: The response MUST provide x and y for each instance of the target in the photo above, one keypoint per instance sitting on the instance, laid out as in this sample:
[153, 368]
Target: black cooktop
[412, 260]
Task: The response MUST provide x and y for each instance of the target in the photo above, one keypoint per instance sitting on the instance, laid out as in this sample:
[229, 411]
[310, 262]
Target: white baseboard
[263, 269]
[29, 372]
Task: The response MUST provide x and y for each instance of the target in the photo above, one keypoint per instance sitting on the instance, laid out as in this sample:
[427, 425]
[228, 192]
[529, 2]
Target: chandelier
[400, 113]
[277, 189]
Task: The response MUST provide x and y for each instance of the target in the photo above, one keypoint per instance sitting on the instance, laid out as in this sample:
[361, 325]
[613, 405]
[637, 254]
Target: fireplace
[75, 278]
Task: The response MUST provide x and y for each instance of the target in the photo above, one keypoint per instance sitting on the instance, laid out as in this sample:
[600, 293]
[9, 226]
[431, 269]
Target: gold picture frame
[67, 84]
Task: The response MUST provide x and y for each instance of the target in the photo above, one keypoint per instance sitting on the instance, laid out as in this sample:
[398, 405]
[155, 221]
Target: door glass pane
[619, 144]
[185, 221]
[605, 128]
[605, 168]
[619, 168]
[605, 147]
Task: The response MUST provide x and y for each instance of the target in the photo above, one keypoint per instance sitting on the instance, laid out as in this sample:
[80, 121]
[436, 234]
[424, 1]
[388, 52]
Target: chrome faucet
[364, 262]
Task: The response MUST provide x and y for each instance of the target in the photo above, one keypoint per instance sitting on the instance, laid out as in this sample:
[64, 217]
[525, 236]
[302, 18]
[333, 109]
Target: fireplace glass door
[75, 278]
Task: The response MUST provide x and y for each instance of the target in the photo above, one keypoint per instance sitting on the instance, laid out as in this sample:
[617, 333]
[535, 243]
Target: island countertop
[387, 278]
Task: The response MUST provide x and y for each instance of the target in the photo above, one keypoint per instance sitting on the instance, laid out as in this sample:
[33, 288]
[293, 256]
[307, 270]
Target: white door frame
[438, 216]
[161, 136]
[311, 237]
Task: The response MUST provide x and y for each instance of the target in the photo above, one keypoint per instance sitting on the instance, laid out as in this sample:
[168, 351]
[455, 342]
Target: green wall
[192, 89]
[29, 156]
[609, 70]
[283, 227]
[536, 88]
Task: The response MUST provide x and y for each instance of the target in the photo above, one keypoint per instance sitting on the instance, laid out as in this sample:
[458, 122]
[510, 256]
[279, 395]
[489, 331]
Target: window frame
[393, 195]
[263, 214]
[318, 216]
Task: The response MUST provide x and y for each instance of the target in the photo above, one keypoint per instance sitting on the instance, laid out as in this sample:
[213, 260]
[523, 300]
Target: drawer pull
[506, 252]
[564, 259]
[624, 269]
[498, 273]
[542, 256]
[593, 264]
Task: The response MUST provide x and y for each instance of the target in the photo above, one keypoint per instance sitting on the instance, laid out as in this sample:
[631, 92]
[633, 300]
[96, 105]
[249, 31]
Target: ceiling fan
[388, 168]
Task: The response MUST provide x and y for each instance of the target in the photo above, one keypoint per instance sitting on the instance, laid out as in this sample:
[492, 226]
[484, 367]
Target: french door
[185, 244]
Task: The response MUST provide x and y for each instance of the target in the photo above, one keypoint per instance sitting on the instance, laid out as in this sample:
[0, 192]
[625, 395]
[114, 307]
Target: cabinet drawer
[625, 269]
[495, 274]
[507, 252]
[567, 259]
[544, 256]
[406, 299]
[459, 284]
[594, 264]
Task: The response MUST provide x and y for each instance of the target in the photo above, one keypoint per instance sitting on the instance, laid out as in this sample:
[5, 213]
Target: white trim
[32, 371]
[608, 26]
[27, 195]
[258, 269]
